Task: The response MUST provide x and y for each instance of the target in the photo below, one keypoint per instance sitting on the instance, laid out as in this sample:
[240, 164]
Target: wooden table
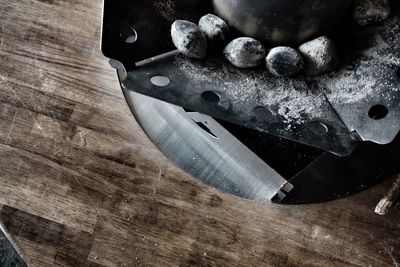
[80, 184]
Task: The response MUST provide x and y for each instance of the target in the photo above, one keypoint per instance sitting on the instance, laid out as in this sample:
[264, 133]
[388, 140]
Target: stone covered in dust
[284, 61]
[189, 39]
[320, 56]
[245, 52]
[216, 31]
[370, 11]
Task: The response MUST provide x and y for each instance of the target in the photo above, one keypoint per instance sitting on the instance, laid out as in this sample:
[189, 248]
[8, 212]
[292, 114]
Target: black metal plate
[251, 98]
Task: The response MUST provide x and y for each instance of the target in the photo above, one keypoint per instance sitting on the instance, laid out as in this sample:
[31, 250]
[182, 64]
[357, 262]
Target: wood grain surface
[81, 185]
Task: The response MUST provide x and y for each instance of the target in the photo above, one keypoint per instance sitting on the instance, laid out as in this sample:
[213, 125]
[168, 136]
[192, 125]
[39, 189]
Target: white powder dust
[166, 8]
[289, 98]
[367, 76]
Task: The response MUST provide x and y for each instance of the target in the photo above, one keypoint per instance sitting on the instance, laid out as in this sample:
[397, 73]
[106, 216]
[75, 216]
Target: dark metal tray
[359, 102]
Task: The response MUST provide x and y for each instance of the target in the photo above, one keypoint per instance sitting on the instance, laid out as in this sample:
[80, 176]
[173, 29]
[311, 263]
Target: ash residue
[348, 86]
[371, 11]
[373, 73]
[290, 98]
[166, 8]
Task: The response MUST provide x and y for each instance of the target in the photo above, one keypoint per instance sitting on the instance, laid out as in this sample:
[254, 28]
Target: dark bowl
[282, 21]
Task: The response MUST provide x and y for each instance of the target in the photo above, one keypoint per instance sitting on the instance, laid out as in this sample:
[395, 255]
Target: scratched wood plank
[38, 254]
[81, 185]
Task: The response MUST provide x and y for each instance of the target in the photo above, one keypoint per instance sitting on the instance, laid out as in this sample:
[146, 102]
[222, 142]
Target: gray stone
[284, 61]
[245, 52]
[319, 56]
[189, 39]
[370, 11]
[216, 31]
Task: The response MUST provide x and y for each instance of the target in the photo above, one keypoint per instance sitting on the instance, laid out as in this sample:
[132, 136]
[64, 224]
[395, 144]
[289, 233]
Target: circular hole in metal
[211, 96]
[318, 128]
[160, 81]
[378, 112]
[116, 64]
[128, 34]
